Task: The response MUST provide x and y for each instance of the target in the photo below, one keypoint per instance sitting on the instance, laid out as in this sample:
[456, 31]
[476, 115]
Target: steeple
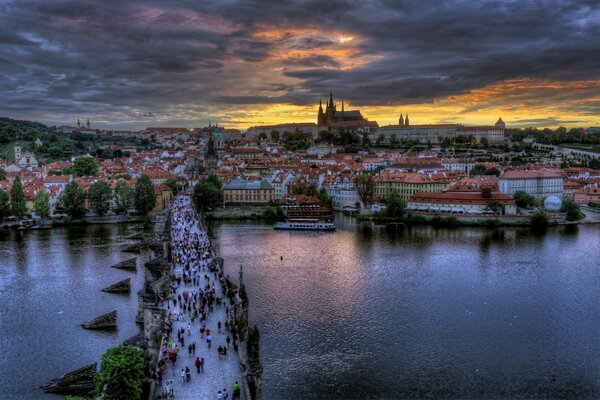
[401, 120]
[78, 123]
[330, 99]
[320, 118]
[406, 120]
[342, 109]
[88, 123]
[500, 124]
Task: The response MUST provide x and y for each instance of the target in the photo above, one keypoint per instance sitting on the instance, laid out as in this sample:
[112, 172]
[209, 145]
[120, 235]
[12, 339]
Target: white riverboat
[305, 225]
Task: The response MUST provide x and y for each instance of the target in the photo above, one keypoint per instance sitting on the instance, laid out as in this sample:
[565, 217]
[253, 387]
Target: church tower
[78, 123]
[330, 111]
[406, 121]
[401, 120]
[88, 123]
[500, 124]
[321, 116]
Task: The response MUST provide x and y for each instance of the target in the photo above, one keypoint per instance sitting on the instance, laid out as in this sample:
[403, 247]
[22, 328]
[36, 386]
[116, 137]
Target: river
[361, 313]
[50, 282]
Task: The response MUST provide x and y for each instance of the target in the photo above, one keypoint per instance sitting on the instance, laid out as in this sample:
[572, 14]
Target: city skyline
[129, 66]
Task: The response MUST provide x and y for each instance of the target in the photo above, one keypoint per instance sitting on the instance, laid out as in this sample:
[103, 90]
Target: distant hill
[54, 145]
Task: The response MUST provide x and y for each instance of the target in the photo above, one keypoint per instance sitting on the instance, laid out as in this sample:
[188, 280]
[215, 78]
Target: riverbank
[90, 220]
[454, 220]
[245, 213]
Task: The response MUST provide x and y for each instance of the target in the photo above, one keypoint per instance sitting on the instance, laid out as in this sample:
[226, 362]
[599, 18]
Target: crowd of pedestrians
[199, 315]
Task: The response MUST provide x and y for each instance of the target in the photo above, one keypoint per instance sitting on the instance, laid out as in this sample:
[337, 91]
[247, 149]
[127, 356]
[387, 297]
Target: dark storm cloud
[122, 58]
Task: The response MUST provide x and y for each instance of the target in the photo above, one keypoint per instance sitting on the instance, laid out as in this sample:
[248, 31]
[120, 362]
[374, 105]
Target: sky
[241, 63]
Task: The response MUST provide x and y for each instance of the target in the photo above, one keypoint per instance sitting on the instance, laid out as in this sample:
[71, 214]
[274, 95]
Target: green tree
[85, 166]
[173, 184]
[262, 136]
[275, 136]
[495, 206]
[73, 200]
[478, 169]
[144, 198]
[539, 220]
[99, 195]
[120, 374]
[215, 181]
[2, 174]
[572, 210]
[206, 195]
[394, 205]
[41, 205]
[17, 199]
[523, 199]
[123, 196]
[365, 187]
[4, 205]
[325, 197]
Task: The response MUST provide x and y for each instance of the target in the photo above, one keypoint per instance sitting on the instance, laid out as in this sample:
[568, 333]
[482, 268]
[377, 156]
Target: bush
[572, 210]
[120, 374]
[539, 220]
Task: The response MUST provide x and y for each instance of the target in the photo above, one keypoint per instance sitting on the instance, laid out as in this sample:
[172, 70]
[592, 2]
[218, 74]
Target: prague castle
[351, 120]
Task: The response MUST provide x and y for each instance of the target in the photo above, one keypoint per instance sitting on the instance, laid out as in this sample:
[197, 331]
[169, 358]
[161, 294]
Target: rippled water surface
[356, 314]
[422, 313]
[50, 282]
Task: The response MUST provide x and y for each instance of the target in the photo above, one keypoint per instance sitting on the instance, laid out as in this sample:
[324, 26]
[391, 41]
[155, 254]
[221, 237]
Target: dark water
[363, 313]
[50, 283]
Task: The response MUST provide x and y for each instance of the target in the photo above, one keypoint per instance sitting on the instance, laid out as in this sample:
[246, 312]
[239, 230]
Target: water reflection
[422, 312]
[50, 282]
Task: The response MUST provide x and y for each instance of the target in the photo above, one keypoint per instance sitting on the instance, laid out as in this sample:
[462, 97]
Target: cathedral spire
[406, 120]
[401, 120]
[88, 123]
[78, 123]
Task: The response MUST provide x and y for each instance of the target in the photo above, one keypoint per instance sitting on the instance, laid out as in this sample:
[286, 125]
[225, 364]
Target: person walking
[182, 375]
[197, 364]
[209, 340]
[188, 374]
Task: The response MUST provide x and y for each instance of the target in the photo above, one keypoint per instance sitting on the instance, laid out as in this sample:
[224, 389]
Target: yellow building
[163, 194]
[406, 184]
[243, 191]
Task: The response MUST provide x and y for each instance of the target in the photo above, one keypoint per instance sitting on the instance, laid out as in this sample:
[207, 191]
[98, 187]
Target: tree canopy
[99, 195]
[524, 199]
[365, 187]
[207, 194]
[173, 184]
[144, 198]
[41, 205]
[4, 205]
[17, 199]
[73, 200]
[120, 374]
[394, 205]
[572, 210]
[123, 196]
[85, 166]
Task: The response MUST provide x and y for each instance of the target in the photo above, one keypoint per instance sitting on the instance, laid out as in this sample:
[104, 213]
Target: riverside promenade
[199, 313]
